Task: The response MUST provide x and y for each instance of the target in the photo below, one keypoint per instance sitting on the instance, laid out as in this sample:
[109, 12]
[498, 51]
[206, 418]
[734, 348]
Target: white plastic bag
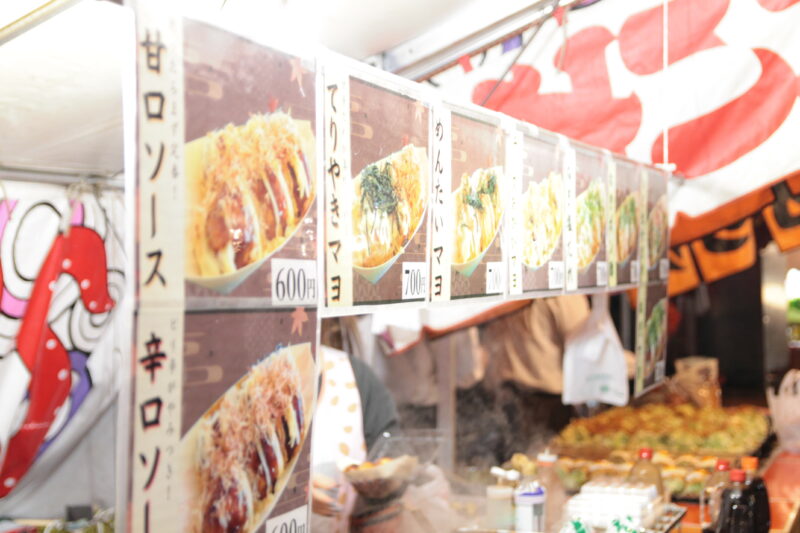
[427, 506]
[594, 361]
[784, 406]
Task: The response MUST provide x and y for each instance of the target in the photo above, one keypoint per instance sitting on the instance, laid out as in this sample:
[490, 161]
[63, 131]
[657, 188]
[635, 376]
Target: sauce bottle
[736, 511]
[711, 496]
[756, 484]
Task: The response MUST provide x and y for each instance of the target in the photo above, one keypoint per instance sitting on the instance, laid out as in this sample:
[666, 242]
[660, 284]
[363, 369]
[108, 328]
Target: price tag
[495, 277]
[415, 281]
[295, 521]
[663, 268]
[555, 274]
[294, 282]
[602, 273]
[635, 271]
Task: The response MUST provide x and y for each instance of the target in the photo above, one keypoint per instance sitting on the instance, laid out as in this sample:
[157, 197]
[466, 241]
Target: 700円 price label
[294, 282]
[495, 277]
[415, 281]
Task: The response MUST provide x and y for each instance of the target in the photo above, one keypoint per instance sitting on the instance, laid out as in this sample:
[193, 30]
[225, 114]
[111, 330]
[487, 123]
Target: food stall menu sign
[222, 397]
[657, 226]
[441, 205]
[537, 212]
[151, 484]
[625, 213]
[251, 173]
[477, 198]
[650, 370]
[247, 399]
[389, 189]
[590, 218]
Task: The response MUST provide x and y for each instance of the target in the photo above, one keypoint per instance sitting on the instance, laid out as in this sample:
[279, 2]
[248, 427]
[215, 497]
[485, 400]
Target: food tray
[670, 518]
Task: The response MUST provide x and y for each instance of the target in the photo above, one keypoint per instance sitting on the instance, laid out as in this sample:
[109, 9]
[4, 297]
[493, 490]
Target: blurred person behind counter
[353, 410]
[508, 374]
[525, 353]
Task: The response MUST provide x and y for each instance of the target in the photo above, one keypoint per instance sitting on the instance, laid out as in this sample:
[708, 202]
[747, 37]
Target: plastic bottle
[761, 513]
[500, 501]
[644, 471]
[711, 496]
[555, 495]
[529, 508]
[736, 511]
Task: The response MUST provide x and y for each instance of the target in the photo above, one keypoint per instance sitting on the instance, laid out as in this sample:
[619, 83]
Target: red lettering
[589, 113]
[691, 29]
[777, 5]
[736, 128]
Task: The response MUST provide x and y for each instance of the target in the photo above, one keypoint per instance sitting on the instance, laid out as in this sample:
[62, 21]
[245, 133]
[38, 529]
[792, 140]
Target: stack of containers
[599, 503]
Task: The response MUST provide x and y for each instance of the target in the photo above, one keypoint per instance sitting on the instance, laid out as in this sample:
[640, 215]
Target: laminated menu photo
[477, 202]
[377, 187]
[652, 342]
[626, 222]
[657, 225]
[389, 136]
[247, 403]
[251, 172]
[590, 218]
[538, 205]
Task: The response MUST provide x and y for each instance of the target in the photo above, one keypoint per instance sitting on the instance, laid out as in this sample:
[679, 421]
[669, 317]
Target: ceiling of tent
[61, 94]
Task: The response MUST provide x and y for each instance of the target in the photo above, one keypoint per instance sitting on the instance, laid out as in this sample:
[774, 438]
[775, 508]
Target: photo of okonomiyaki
[239, 456]
[249, 187]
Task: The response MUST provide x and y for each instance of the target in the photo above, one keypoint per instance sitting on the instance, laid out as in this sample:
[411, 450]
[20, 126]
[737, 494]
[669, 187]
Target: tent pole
[61, 177]
[424, 67]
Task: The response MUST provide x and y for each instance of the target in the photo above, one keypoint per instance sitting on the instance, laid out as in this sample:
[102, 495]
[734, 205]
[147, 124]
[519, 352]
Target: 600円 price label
[294, 282]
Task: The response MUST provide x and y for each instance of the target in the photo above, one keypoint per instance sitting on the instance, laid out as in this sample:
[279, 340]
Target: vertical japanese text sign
[641, 299]
[338, 232]
[570, 221]
[441, 233]
[515, 227]
[158, 344]
[611, 219]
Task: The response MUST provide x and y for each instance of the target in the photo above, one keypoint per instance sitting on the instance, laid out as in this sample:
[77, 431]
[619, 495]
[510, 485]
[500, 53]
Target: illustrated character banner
[61, 282]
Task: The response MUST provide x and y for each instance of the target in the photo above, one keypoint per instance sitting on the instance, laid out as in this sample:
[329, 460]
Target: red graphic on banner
[691, 29]
[590, 113]
[777, 5]
[737, 127]
[81, 254]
